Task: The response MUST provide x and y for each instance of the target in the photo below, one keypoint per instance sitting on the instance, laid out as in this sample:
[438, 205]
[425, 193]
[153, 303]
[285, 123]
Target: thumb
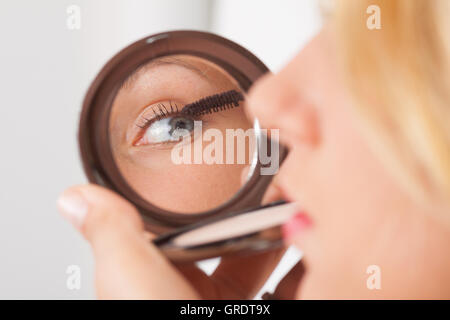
[102, 217]
[128, 266]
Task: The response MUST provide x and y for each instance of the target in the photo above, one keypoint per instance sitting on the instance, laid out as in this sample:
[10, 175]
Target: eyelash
[161, 113]
[215, 103]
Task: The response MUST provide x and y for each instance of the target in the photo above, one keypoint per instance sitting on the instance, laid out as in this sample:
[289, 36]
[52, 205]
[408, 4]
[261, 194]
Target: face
[357, 214]
[156, 144]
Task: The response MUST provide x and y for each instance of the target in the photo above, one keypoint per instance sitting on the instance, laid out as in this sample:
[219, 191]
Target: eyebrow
[132, 78]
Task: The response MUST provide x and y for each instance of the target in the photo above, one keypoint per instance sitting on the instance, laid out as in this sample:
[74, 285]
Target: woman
[366, 116]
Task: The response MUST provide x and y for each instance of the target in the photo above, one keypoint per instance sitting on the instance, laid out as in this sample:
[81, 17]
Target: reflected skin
[183, 188]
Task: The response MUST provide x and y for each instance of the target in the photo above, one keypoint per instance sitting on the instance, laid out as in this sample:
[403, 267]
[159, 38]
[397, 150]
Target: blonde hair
[400, 78]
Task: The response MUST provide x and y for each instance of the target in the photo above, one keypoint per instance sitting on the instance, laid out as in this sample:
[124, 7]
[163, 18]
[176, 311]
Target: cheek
[184, 188]
[350, 175]
[342, 184]
[351, 199]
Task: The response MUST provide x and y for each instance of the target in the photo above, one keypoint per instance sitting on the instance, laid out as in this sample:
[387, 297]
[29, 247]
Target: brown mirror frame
[93, 137]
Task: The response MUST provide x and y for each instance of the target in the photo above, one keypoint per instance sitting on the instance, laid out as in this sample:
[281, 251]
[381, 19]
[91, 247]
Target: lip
[296, 225]
[299, 221]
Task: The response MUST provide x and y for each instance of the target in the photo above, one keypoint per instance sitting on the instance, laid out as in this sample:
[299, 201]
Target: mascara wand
[214, 103]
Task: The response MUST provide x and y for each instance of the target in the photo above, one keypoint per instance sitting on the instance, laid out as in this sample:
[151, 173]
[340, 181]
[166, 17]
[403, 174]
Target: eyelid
[157, 111]
[195, 110]
[150, 115]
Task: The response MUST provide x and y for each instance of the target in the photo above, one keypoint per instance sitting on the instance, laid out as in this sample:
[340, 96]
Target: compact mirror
[179, 134]
[164, 124]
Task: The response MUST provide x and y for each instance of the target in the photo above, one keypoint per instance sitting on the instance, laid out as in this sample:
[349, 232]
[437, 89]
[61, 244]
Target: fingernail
[73, 207]
[298, 223]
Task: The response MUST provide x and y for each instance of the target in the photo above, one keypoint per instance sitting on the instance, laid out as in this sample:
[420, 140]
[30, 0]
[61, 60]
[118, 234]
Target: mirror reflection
[179, 134]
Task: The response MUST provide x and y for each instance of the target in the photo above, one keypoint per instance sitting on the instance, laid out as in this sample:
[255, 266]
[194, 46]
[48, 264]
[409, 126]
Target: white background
[45, 70]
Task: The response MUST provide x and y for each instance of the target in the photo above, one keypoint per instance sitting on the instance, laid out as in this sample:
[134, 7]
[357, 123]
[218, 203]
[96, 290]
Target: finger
[287, 287]
[127, 265]
[206, 287]
[242, 276]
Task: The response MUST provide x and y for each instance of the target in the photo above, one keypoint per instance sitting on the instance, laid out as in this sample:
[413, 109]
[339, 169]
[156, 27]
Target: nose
[267, 99]
[278, 104]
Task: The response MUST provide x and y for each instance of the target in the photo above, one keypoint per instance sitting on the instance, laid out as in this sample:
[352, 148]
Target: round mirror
[179, 134]
[164, 124]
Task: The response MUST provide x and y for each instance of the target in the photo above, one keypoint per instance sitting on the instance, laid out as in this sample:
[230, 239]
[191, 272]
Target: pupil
[180, 124]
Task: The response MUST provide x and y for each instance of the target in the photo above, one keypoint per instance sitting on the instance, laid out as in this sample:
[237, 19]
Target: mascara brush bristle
[214, 103]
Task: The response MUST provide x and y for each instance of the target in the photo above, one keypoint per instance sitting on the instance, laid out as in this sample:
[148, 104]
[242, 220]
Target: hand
[129, 266]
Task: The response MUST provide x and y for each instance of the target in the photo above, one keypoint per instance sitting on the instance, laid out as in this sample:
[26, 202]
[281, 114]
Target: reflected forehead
[192, 66]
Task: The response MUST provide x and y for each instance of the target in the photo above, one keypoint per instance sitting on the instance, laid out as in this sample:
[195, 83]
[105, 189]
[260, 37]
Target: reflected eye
[167, 130]
[163, 122]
